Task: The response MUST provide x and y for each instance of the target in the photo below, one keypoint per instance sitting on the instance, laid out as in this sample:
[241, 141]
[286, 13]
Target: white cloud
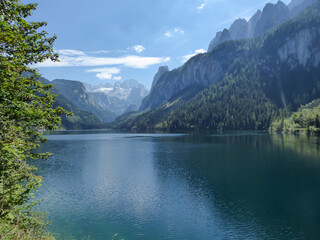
[109, 70]
[118, 78]
[206, 3]
[131, 61]
[138, 48]
[201, 7]
[100, 52]
[170, 34]
[178, 30]
[70, 52]
[74, 58]
[201, 50]
[106, 73]
[104, 76]
[187, 57]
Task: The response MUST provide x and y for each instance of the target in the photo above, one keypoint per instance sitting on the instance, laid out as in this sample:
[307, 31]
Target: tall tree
[25, 108]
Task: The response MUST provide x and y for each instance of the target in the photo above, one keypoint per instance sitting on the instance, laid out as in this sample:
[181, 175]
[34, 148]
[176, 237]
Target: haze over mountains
[241, 84]
[203, 71]
[99, 104]
[252, 71]
[270, 17]
[103, 100]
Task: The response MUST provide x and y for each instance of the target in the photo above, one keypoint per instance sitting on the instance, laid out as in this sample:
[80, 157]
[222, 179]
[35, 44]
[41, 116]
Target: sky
[101, 41]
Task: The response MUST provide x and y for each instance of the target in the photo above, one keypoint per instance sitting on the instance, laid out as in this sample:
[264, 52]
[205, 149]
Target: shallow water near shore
[100, 185]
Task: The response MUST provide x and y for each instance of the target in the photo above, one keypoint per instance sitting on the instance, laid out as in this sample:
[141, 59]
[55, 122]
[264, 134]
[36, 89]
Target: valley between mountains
[254, 74]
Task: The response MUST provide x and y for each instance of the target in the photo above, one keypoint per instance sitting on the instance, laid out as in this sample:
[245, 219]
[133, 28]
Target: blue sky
[108, 40]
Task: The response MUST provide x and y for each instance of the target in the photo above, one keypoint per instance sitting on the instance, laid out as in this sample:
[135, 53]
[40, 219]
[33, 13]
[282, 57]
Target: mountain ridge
[270, 17]
[282, 64]
[105, 103]
[197, 70]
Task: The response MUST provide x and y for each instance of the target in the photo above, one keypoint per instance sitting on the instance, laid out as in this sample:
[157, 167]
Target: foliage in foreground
[35, 230]
[25, 108]
[306, 120]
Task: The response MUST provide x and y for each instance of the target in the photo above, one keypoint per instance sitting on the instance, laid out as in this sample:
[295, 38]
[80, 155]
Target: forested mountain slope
[206, 69]
[251, 80]
[80, 120]
[261, 22]
[76, 93]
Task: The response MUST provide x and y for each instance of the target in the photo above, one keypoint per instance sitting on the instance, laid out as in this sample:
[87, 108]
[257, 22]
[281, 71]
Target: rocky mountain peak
[270, 7]
[239, 29]
[261, 22]
[161, 71]
[75, 86]
[272, 16]
[299, 50]
[105, 101]
[131, 83]
[221, 37]
[225, 36]
[215, 41]
[253, 23]
[116, 85]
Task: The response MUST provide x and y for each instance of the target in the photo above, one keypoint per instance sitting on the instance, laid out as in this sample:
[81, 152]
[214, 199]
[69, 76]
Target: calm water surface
[156, 186]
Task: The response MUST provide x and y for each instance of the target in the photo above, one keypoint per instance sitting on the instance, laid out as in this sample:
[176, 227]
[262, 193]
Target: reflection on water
[307, 145]
[149, 186]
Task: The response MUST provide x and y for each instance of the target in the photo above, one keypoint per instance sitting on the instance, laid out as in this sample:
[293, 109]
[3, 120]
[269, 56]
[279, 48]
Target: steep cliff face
[200, 71]
[272, 16]
[162, 70]
[77, 94]
[121, 96]
[295, 43]
[252, 23]
[105, 101]
[303, 48]
[80, 120]
[215, 41]
[225, 36]
[252, 80]
[297, 6]
[239, 29]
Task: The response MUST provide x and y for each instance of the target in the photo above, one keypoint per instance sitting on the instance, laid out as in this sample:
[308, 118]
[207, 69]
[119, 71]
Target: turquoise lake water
[173, 186]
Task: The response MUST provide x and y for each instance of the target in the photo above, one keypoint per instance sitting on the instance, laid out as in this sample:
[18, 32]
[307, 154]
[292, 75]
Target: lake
[102, 185]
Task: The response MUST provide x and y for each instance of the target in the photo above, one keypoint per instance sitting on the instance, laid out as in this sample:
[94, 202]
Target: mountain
[91, 88]
[241, 84]
[199, 72]
[270, 17]
[76, 93]
[80, 120]
[104, 101]
[297, 6]
[120, 97]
